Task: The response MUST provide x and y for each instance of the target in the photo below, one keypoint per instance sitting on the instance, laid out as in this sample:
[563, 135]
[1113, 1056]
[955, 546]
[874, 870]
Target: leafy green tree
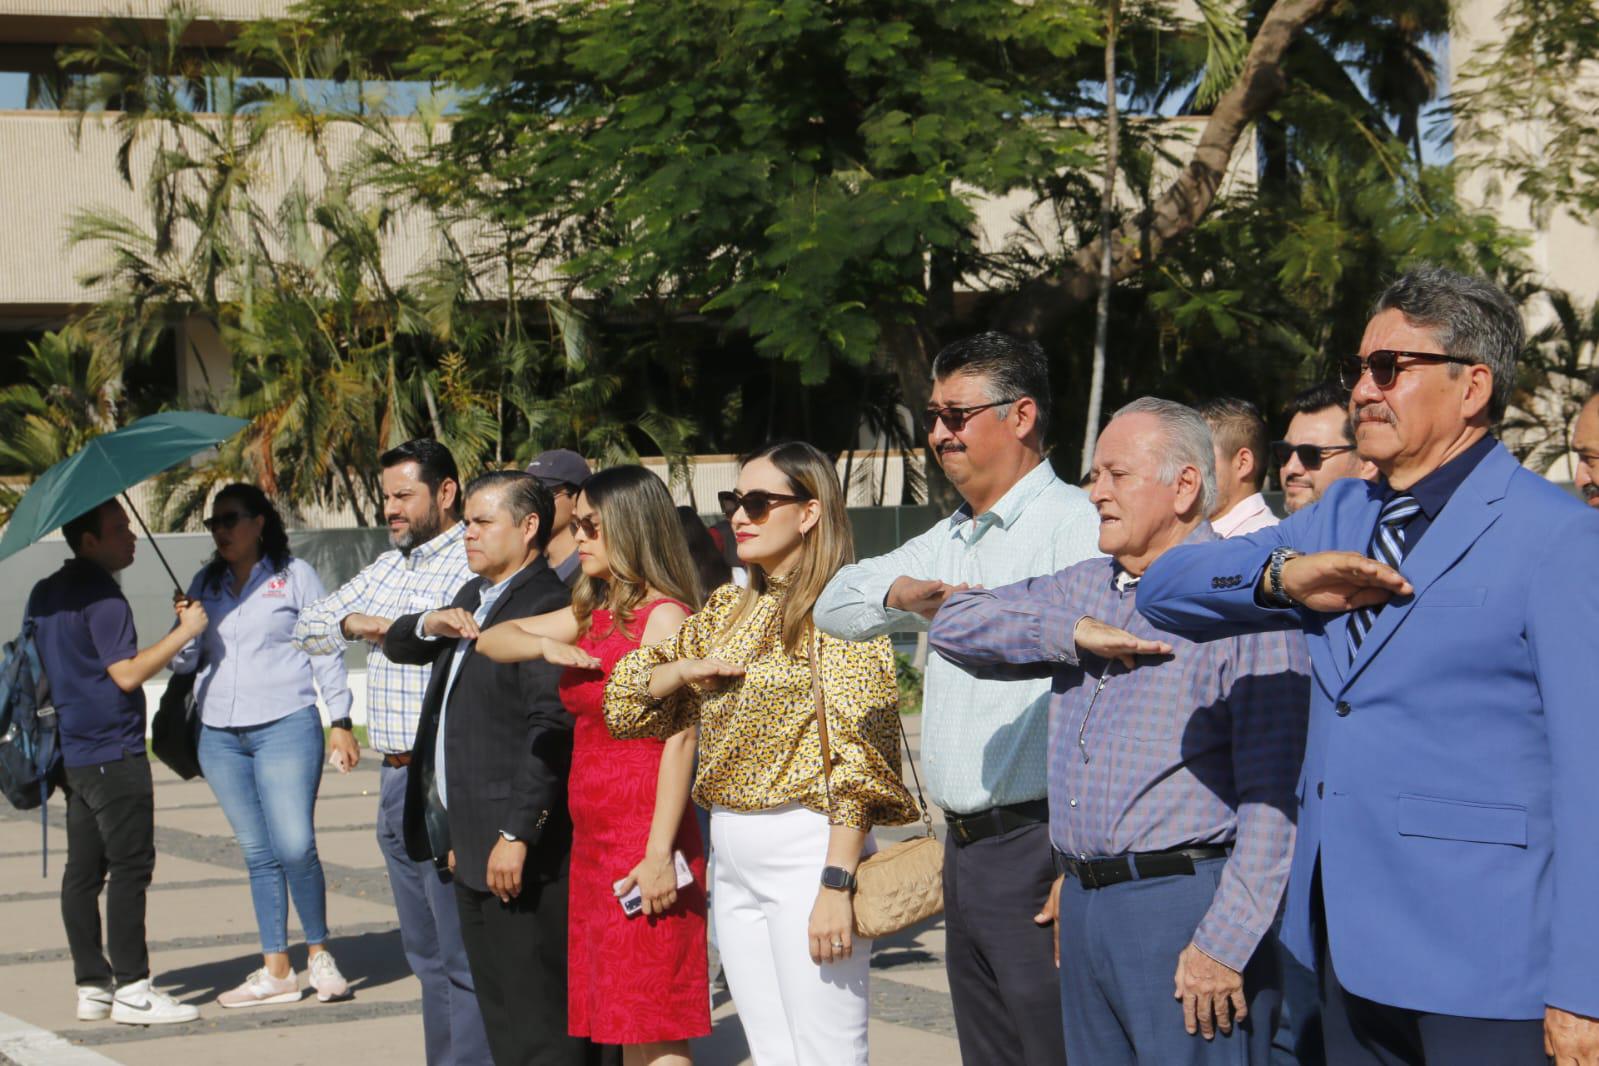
[72, 392]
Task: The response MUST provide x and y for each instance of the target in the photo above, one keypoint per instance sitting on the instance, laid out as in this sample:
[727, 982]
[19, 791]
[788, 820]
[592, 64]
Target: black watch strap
[839, 878]
[341, 723]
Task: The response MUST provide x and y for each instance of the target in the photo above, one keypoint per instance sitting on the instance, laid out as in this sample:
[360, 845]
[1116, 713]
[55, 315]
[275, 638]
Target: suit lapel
[1468, 514]
[518, 582]
[1361, 520]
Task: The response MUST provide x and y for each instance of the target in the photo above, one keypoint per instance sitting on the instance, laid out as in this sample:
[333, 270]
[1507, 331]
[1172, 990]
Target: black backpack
[30, 750]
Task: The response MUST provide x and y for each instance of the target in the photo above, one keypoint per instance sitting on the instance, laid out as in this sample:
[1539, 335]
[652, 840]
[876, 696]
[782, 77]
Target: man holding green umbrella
[91, 656]
[90, 653]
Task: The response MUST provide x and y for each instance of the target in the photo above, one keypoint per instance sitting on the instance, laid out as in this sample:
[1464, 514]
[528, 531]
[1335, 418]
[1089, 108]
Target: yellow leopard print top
[758, 744]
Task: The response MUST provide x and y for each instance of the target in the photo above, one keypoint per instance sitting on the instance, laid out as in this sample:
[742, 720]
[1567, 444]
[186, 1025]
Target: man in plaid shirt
[1172, 768]
[421, 502]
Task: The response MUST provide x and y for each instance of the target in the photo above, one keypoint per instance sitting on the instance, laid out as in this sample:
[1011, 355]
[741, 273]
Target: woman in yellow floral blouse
[741, 668]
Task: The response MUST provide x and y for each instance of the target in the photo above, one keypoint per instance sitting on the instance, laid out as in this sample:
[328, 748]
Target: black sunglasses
[585, 524]
[1384, 365]
[1310, 455]
[955, 418]
[756, 503]
[225, 521]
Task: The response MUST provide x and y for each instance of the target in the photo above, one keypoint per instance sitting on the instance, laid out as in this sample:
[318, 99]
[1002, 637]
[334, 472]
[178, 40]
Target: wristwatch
[839, 878]
[508, 836]
[1275, 596]
[341, 723]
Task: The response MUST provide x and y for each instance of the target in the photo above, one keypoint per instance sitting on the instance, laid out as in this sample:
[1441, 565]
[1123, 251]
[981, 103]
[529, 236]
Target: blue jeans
[266, 778]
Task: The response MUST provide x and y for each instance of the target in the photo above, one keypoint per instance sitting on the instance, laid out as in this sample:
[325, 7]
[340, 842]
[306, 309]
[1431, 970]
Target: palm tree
[73, 392]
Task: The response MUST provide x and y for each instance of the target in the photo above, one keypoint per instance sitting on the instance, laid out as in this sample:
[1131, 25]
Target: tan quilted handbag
[903, 883]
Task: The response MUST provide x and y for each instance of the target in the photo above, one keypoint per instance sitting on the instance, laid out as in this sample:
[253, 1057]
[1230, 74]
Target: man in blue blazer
[1446, 879]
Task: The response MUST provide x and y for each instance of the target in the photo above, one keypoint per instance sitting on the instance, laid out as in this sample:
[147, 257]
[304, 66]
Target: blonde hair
[644, 542]
[825, 549]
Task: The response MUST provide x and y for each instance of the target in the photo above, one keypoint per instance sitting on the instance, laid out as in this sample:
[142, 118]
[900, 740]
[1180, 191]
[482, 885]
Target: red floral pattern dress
[629, 980]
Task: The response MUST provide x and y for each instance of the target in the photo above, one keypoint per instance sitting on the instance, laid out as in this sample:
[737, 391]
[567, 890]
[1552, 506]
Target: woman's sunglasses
[225, 521]
[1310, 455]
[1385, 366]
[585, 524]
[757, 503]
[955, 418]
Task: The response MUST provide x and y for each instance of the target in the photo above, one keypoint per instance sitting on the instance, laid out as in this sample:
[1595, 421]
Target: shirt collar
[1009, 507]
[1241, 512]
[1121, 580]
[423, 553]
[1434, 490]
[490, 593]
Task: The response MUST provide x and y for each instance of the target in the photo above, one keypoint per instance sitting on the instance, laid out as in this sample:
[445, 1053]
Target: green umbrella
[109, 465]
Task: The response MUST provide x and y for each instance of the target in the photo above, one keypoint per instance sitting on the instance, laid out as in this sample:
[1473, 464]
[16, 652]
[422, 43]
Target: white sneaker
[94, 1003]
[261, 989]
[139, 1004]
[326, 978]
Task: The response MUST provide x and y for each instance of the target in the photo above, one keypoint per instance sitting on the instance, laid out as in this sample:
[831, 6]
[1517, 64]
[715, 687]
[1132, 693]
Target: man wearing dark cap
[563, 472]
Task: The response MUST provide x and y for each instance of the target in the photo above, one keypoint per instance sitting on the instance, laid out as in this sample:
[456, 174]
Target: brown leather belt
[397, 759]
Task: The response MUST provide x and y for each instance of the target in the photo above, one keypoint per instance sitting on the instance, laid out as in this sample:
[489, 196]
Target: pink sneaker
[326, 978]
[261, 989]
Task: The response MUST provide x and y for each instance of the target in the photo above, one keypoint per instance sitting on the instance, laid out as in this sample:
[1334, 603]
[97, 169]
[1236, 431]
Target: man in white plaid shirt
[421, 503]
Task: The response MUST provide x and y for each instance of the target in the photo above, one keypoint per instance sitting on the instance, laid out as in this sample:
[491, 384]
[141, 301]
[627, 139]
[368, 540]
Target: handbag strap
[827, 755]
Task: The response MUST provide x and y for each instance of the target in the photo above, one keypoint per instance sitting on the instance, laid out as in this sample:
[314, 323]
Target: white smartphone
[633, 902]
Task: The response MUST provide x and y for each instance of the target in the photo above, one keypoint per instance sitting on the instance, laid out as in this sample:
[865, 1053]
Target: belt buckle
[962, 832]
[1087, 875]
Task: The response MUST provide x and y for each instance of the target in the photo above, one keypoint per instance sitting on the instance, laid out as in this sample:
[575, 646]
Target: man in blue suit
[1446, 879]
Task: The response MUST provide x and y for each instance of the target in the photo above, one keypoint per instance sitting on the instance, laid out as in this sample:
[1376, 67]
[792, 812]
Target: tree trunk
[1139, 241]
[1107, 221]
[907, 353]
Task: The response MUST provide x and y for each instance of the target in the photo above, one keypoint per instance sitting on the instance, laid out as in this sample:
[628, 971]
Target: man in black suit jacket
[486, 792]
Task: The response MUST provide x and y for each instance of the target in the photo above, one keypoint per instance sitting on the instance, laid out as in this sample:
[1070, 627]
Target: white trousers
[794, 1012]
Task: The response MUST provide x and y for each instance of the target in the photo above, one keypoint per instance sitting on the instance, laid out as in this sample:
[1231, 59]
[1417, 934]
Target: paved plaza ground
[203, 941]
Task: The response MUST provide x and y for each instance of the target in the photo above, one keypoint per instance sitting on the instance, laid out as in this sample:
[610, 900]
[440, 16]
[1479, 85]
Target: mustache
[1590, 491]
[951, 446]
[1374, 412]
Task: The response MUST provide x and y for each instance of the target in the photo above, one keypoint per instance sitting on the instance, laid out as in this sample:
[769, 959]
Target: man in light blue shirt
[985, 743]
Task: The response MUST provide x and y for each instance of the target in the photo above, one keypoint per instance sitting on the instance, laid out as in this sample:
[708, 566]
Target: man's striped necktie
[1387, 547]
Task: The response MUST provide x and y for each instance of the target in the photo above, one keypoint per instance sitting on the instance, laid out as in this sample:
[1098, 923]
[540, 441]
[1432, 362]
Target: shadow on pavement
[368, 961]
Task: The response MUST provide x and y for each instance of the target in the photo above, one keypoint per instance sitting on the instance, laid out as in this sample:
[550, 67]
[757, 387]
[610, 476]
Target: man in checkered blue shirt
[421, 503]
[1172, 768]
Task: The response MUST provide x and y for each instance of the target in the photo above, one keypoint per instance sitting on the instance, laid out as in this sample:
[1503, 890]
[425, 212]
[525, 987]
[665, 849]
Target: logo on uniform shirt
[277, 585]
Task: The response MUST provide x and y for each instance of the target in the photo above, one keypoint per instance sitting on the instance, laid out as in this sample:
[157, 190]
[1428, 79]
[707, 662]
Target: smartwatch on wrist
[839, 878]
[342, 723]
[1275, 596]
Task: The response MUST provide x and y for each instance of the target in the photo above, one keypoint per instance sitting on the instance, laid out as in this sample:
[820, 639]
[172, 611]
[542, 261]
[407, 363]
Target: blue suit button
[1343, 709]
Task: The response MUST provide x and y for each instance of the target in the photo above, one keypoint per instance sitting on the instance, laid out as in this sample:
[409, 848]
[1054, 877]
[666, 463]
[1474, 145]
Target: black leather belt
[979, 825]
[1139, 866]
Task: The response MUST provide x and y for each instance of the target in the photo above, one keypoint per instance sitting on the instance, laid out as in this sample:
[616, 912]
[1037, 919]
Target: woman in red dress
[638, 980]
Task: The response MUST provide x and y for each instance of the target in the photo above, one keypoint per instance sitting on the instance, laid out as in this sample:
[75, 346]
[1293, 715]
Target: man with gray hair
[1448, 852]
[1171, 768]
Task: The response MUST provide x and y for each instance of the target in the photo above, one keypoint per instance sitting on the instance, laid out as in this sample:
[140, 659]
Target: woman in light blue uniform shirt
[261, 736]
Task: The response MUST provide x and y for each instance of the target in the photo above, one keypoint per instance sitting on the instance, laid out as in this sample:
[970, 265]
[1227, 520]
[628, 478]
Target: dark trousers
[1298, 1041]
[1361, 1032]
[430, 932]
[1118, 960]
[110, 846]
[1001, 963]
[518, 956]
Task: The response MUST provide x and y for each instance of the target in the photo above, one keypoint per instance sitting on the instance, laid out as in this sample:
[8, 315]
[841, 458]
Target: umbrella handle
[177, 588]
